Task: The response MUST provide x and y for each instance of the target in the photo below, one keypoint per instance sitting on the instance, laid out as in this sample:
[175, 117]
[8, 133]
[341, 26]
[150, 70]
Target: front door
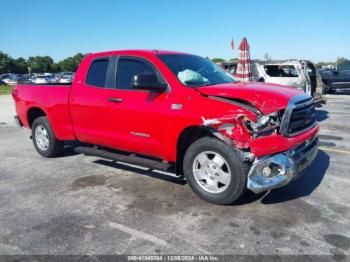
[141, 114]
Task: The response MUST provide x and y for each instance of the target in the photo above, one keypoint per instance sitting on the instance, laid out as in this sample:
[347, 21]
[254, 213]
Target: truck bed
[52, 99]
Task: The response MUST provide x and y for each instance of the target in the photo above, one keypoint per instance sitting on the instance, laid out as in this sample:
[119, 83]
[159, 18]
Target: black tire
[239, 170]
[55, 146]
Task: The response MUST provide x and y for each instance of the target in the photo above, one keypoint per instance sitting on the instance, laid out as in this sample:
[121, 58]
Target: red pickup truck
[176, 111]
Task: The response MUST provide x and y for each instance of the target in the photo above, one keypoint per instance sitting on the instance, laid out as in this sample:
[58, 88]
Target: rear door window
[127, 68]
[98, 73]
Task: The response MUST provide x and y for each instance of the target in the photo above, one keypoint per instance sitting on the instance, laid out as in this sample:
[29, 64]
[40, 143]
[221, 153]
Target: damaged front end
[275, 168]
[240, 129]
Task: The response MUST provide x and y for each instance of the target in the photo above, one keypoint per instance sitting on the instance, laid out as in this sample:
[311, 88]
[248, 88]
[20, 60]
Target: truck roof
[134, 52]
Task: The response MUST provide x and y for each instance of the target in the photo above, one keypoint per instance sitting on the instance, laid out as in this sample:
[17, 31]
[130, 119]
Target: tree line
[38, 64]
[338, 61]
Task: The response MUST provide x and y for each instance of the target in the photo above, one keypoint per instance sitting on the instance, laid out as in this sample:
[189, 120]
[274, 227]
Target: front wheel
[44, 139]
[215, 171]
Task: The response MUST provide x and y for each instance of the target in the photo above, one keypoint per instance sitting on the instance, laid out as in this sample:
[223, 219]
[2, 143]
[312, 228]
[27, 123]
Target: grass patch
[5, 90]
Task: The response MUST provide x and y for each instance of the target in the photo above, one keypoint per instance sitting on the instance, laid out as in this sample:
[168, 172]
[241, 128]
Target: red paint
[84, 113]
[276, 143]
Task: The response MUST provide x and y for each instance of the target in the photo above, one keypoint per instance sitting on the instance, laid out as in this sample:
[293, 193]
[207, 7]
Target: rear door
[93, 121]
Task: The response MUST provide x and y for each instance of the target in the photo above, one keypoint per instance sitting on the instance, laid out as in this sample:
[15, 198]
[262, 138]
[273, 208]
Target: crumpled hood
[267, 98]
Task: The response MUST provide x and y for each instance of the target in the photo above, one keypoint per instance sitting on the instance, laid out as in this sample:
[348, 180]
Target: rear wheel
[45, 141]
[215, 171]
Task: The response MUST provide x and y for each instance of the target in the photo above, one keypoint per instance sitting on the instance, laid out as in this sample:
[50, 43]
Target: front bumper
[279, 169]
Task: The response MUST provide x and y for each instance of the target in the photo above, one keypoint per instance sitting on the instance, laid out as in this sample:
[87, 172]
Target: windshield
[195, 71]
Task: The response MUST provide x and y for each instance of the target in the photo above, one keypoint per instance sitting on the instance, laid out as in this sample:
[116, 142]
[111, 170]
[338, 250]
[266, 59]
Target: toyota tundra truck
[176, 112]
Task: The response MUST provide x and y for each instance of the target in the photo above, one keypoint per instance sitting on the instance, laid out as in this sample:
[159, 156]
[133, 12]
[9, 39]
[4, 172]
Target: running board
[130, 158]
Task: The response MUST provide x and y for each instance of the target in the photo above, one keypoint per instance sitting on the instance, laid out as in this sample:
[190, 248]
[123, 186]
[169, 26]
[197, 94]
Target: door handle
[115, 99]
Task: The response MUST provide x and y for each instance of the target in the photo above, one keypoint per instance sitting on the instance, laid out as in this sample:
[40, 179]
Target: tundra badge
[140, 134]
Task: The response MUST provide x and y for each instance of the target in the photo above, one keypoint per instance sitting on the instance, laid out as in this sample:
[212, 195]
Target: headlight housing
[265, 124]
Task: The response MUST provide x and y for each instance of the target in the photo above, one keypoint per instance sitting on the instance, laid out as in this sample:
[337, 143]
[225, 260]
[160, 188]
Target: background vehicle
[300, 74]
[50, 78]
[3, 76]
[12, 79]
[45, 78]
[337, 78]
[66, 77]
[40, 79]
[167, 109]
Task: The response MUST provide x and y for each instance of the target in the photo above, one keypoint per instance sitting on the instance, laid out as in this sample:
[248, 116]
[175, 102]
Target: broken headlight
[265, 124]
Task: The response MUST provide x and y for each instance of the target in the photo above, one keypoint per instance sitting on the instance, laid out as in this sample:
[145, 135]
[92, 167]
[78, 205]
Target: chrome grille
[299, 116]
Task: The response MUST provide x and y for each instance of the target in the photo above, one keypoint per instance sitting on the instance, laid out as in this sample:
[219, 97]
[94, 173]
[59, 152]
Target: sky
[318, 30]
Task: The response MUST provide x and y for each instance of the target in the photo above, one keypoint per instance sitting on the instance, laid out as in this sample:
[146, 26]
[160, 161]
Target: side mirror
[336, 72]
[148, 82]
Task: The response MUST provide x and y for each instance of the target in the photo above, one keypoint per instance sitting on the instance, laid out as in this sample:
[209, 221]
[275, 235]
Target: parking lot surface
[85, 205]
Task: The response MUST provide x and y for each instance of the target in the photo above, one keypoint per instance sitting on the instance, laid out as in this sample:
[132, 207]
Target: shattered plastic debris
[229, 129]
[209, 122]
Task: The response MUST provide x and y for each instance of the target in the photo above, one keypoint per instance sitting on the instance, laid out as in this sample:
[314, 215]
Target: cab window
[97, 73]
[127, 68]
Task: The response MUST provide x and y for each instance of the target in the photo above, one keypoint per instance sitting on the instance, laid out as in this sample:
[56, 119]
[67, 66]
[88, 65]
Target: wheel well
[186, 138]
[33, 114]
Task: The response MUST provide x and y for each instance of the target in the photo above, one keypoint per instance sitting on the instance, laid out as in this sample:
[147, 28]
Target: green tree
[71, 63]
[20, 66]
[40, 63]
[6, 63]
[320, 64]
[218, 60]
[340, 60]
[55, 68]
